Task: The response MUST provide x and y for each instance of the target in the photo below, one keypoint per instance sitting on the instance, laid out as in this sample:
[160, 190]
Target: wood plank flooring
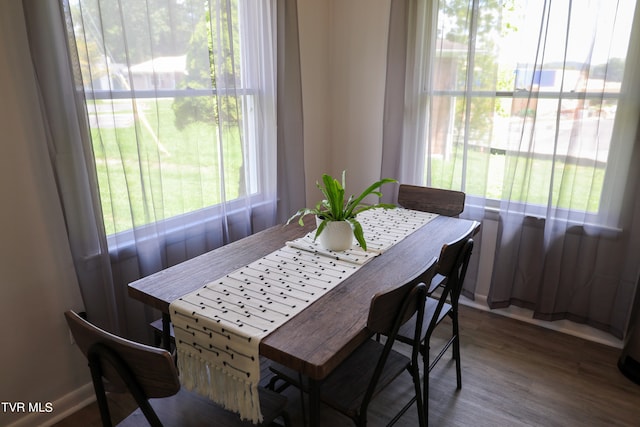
[513, 374]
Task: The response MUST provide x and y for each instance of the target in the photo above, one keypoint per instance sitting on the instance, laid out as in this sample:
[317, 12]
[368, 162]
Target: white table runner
[218, 327]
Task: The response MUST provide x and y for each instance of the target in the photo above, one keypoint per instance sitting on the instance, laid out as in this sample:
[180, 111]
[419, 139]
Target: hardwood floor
[513, 374]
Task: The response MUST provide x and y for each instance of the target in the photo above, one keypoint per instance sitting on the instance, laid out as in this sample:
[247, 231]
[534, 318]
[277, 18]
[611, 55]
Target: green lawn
[574, 187]
[174, 171]
[177, 171]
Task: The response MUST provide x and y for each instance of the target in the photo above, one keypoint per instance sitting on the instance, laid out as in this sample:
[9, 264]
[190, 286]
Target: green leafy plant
[334, 208]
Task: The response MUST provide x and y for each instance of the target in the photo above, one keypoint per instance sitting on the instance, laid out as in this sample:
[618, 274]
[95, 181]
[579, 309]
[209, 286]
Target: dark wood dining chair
[350, 387]
[452, 263]
[150, 375]
[435, 200]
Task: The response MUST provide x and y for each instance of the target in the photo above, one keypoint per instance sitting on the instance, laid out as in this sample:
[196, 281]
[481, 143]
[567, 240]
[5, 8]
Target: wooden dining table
[325, 333]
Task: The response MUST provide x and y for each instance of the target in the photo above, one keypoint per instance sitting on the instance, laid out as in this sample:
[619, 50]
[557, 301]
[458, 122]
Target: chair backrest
[452, 263]
[388, 311]
[393, 308]
[428, 199]
[153, 369]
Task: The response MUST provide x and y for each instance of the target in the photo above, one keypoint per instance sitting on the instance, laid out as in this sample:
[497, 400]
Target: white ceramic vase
[336, 236]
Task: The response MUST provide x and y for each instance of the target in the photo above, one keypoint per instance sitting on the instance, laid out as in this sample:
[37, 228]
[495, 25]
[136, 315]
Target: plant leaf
[358, 232]
[321, 227]
[334, 192]
[334, 208]
[371, 189]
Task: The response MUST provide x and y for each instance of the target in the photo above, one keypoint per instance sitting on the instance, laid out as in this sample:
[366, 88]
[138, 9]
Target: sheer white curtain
[531, 108]
[175, 132]
[181, 100]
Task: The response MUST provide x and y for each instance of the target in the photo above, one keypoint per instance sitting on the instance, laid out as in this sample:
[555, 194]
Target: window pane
[172, 118]
[523, 98]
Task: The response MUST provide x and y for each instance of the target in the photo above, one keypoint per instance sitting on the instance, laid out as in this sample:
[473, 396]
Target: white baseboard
[565, 326]
[62, 408]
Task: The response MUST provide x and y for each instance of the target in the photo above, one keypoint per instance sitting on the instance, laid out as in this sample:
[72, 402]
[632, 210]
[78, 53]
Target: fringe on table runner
[232, 392]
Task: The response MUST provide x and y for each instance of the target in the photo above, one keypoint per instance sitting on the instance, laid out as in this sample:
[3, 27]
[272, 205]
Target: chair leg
[415, 373]
[456, 343]
[101, 396]
[425, 387]
[456, 348]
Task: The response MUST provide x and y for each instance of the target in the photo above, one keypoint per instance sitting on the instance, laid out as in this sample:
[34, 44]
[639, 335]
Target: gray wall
[37, 279]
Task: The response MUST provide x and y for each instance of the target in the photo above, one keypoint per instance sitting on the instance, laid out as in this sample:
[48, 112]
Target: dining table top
[317, 339]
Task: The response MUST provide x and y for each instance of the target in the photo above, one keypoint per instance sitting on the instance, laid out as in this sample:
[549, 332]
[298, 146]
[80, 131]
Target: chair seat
[186, 409]
[356, 371]
[438, 280]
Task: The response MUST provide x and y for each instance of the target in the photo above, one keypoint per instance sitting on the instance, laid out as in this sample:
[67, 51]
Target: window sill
[491, 212]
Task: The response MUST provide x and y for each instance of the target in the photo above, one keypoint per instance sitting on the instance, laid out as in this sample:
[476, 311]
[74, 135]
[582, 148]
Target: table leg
[314, 402]
[166, 331]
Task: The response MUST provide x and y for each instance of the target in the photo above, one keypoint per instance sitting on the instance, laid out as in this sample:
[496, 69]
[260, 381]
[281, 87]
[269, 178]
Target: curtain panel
[403, 126]
[173, 129]
[531, 108]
